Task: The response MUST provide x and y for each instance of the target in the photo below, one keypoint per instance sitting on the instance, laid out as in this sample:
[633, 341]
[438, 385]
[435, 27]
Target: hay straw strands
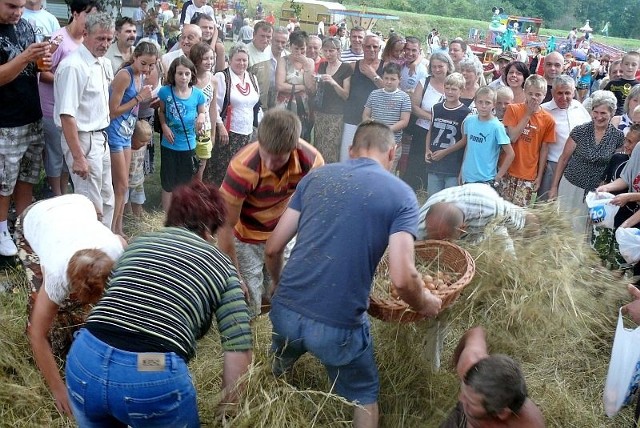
[553, 309]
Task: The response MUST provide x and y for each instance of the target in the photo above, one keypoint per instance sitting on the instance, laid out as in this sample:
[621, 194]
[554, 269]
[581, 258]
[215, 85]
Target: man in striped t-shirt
[260, 180]
[355, 51]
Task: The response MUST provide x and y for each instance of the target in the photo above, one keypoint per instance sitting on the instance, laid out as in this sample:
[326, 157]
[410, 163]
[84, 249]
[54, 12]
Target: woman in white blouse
[424, 97]
[237, 99]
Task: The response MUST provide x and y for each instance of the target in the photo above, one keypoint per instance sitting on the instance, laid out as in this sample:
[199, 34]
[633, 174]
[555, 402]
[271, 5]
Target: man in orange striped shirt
[259, 181]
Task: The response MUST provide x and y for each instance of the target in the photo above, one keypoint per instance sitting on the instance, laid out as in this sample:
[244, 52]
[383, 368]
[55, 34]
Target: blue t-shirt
[484, 138]
[188, 109]
[347, 211]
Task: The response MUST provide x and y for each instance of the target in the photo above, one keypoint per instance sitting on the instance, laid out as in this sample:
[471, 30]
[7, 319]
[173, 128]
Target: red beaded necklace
[244, 90]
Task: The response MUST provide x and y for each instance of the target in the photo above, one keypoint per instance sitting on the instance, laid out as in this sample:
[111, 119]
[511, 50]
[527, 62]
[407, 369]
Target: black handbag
[195, 161]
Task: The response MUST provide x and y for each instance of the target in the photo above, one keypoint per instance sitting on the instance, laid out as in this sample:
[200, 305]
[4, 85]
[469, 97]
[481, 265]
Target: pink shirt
[67, 45]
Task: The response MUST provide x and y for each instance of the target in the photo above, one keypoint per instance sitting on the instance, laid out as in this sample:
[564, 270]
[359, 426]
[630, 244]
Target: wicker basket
[447, 257]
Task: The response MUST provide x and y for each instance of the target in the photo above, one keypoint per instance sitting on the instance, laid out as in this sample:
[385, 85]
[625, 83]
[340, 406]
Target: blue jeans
[107, 390]
[438, 182]
[347, 355]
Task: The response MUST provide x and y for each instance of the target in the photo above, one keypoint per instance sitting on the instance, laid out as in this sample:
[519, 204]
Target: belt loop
[107, 356]
[174, 363]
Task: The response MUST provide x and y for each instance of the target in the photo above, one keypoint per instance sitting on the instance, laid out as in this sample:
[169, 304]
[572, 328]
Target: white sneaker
[7, 247]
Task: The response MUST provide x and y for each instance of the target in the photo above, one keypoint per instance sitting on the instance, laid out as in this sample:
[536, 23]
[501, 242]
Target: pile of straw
[553, 309]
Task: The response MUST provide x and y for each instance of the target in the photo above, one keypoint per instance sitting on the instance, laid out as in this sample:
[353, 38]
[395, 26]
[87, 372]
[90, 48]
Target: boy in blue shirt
[484, 137]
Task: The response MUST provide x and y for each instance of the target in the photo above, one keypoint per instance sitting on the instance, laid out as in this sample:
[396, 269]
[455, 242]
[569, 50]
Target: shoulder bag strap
[184, 128]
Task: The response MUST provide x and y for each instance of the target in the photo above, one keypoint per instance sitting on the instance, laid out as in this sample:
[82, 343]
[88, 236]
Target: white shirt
[480, 205]
[115, 56]
[431, 97]
[321, 28]
[523, 57]
[43, 22]
[408, 82]
[168, 58]
[241, 105]
[192, 9]
[566, 120]
[81, 90]
[77, 228]
[256, 56]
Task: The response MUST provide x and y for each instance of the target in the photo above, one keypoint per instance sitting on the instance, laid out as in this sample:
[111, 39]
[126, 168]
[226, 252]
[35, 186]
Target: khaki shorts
[21, 150]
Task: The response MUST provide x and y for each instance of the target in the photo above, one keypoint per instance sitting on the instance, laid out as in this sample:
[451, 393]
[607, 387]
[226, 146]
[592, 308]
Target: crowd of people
[244, 138]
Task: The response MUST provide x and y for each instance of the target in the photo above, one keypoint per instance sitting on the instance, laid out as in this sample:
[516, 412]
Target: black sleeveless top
[361, 87]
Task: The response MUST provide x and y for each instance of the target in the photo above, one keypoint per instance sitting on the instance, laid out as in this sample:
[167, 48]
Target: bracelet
[138, 100]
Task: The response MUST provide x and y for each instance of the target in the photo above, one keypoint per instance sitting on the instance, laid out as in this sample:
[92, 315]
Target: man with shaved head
[463, 212]
[553, 65]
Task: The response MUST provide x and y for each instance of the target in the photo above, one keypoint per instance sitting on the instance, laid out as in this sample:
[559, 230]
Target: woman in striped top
[128, 366]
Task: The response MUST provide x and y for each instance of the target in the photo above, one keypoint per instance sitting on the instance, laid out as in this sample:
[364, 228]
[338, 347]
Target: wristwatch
[375, 79]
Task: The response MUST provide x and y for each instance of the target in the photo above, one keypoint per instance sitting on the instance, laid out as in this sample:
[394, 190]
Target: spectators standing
[209, 30]
[246, 32]
[553, 64]
[413, 69]
[126, 93]
[584, 159]
[257, 187]
[504, 97]
[333, 29]
[423, 98]
[261, 64]
[621, 87]
[70, 38]
[202, 57]
[270, 19]
[567, 113]
[335, 83]
[198, 6]
[139, 16]
[572, 38]
[21, 136]
[484, 138]
[443, 150]
[355, 51]
[182, 116]
[191, 34]
[391, 106]
[321, 32]
[322, 293]
[364, 80]
[457, 52]
[314, 45]
[237, 95]
[81, 88]
[295, 80]
[42, 21]
[531, 129]
[121, 51]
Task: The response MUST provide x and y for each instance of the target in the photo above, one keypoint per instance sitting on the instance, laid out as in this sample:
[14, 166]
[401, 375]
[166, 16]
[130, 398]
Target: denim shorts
[106, 389]
[346, 354]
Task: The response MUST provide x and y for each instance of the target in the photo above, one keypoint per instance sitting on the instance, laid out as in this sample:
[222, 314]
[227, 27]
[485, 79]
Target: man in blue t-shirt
[344, 215]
